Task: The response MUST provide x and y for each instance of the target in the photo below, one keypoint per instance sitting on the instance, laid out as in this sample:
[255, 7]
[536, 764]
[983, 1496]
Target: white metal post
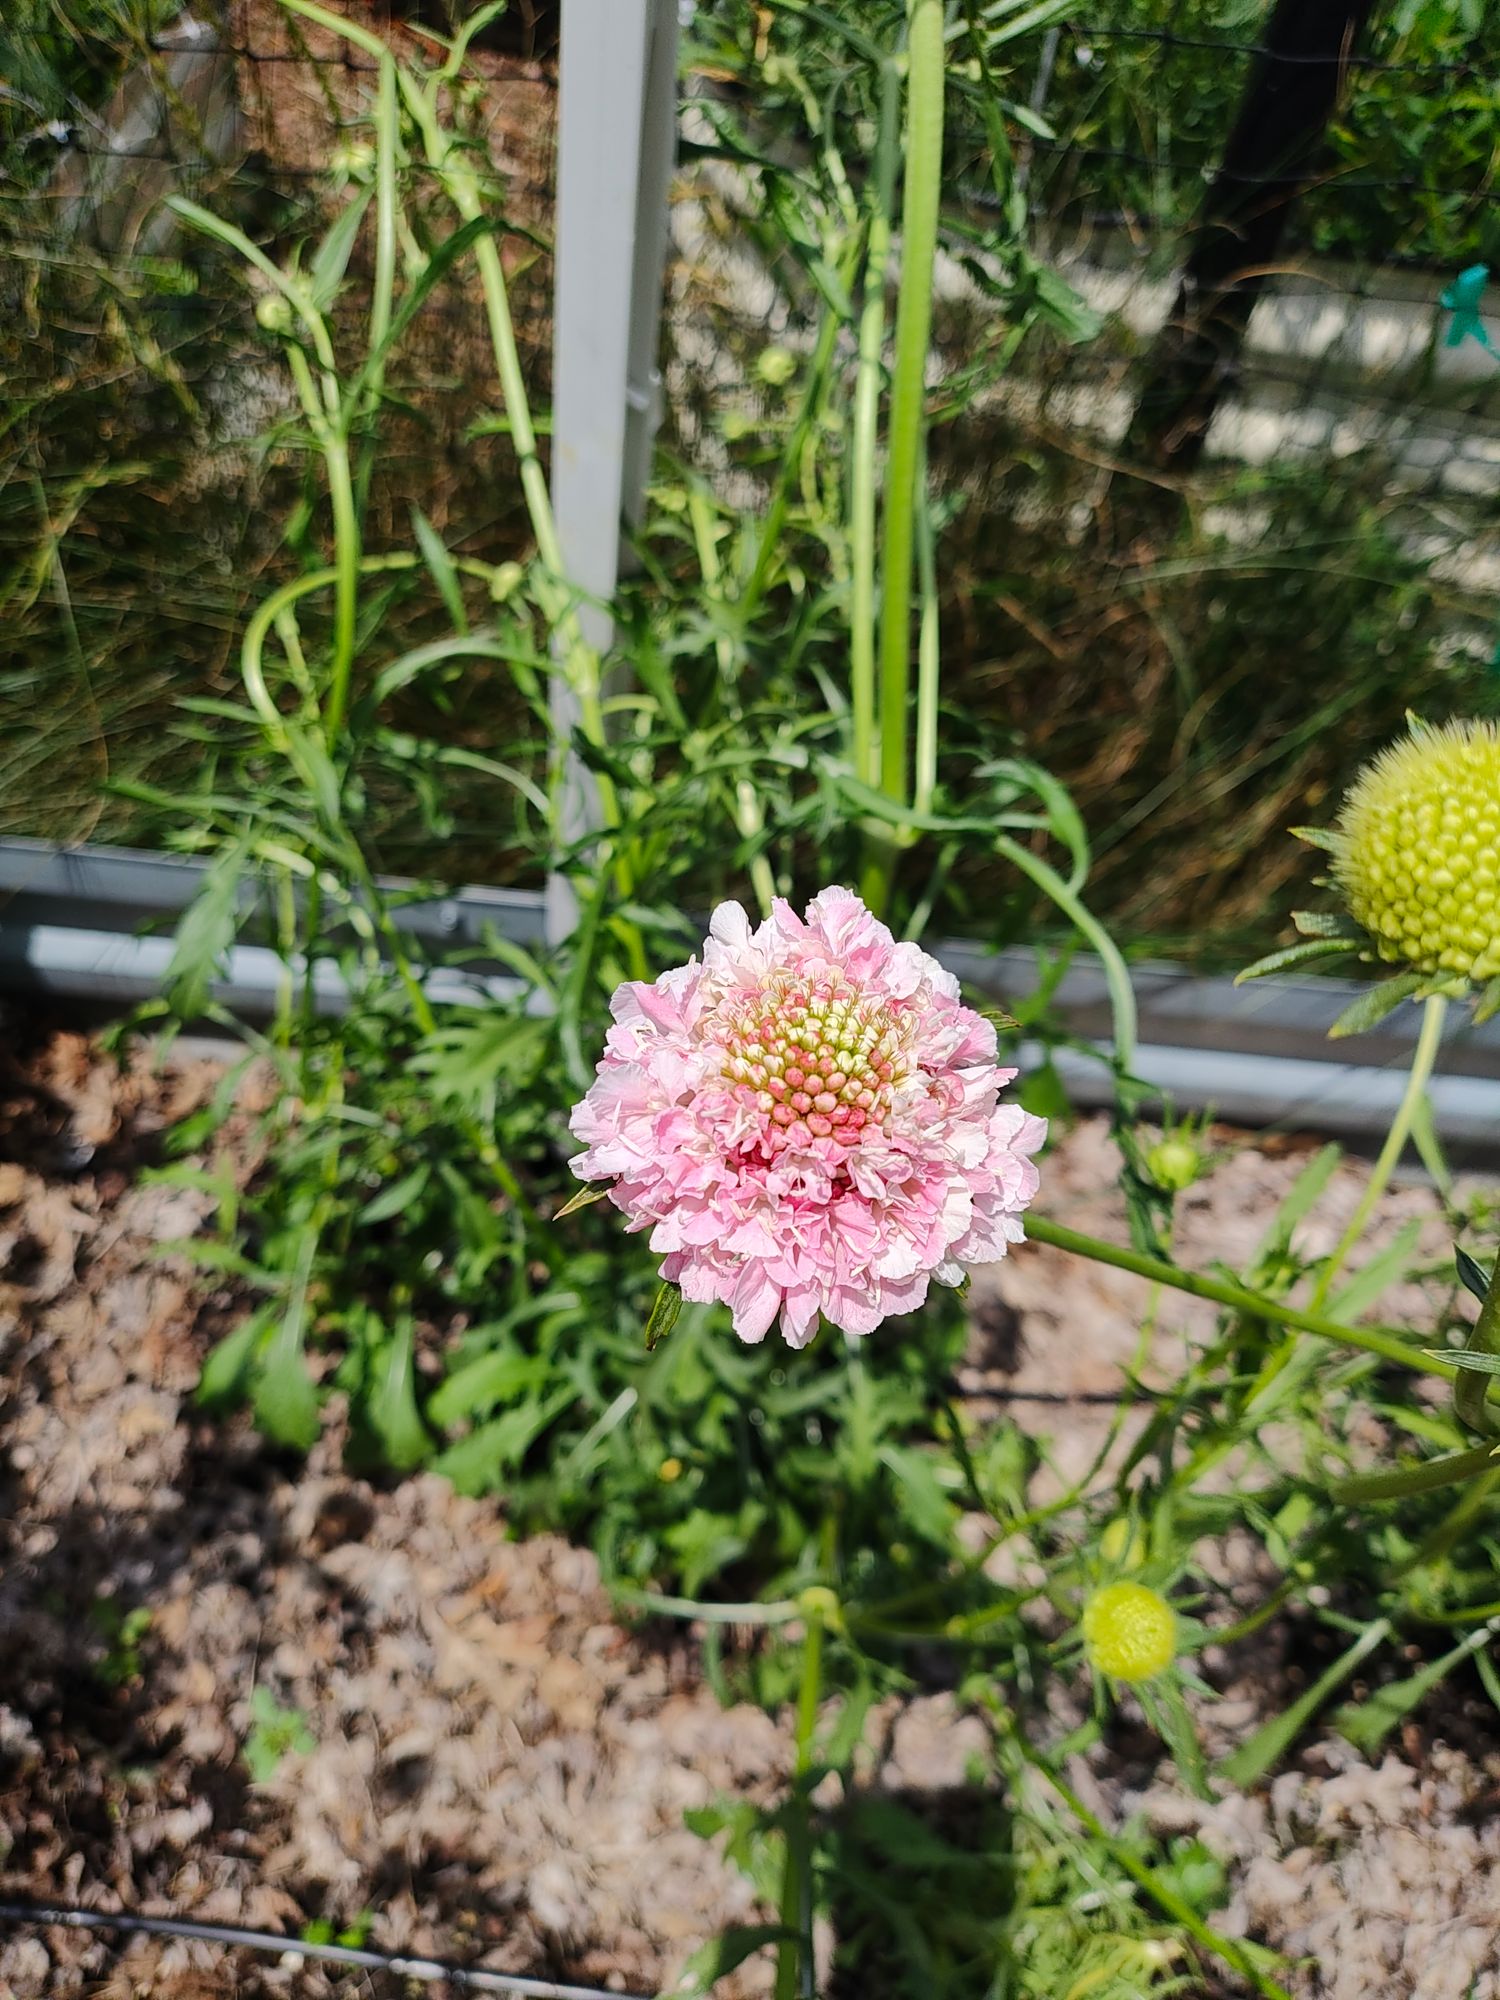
[616, 143]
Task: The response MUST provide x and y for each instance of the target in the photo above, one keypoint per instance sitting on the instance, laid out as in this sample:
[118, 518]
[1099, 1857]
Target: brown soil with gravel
[495, 1765]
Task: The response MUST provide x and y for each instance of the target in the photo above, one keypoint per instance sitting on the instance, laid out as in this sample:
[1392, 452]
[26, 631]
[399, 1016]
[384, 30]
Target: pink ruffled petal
[808, 1122]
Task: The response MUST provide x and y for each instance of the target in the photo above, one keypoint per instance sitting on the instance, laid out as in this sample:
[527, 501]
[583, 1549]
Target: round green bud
[776, 366]
[505, 582]
[1130, 1631]
[1174, 1163]
[1417, 850]
[1122, 1544]
[274, 313]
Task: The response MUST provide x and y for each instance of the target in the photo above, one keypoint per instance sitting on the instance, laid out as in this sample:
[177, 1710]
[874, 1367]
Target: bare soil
[495, 1765]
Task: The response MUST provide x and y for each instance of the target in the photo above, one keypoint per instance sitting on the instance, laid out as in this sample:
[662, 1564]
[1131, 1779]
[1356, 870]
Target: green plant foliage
[275, 1734]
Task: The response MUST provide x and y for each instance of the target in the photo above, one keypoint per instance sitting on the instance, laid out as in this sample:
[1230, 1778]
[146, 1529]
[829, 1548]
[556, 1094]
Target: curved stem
[1423, 1057]
[1369, 1340]
[1116, 975]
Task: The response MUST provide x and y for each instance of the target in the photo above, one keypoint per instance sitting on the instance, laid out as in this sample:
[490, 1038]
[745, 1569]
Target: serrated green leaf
[924, 1503]
[479, 1463]
[1372, 1006]
[473, 1391]
[1296, 954]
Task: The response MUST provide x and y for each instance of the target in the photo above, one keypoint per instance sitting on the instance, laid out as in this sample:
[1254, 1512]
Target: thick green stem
[919, 228]
[1368, 1340]
[795, 1953]
[929, 660]
[1434, 1010]
[864, 443]
[347, 553]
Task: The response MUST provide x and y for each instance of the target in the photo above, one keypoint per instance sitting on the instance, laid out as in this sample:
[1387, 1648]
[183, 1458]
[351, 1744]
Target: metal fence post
[616, 145]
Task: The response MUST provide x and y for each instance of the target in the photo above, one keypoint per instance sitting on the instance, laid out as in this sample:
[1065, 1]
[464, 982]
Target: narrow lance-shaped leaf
[1371, 1008]
[664, 1311]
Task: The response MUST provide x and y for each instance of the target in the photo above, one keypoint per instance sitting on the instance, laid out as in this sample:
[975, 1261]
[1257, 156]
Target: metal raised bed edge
[92, 924]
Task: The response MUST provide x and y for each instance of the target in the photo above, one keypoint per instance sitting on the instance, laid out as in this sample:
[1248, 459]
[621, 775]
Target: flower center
[815, 1056]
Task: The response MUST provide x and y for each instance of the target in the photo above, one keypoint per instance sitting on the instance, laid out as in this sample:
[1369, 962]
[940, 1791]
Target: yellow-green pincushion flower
[1418, 851]
[1130, 1632]
[1416, 858]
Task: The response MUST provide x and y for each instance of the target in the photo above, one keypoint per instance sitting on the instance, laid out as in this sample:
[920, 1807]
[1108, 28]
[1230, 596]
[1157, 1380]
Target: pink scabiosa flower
[808, 1121]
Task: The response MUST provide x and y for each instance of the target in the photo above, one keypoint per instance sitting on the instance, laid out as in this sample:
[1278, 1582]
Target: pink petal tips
[808, 1121]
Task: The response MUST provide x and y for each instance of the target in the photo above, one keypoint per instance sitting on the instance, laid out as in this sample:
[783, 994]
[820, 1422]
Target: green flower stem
[795, 1952]
[1368, 1340]
[749, 816]
[926, 79]
[1434, 1010]
[929, 657]
[1409, 1479]
[864, 440]
[1116, 976]
[1160, 1891]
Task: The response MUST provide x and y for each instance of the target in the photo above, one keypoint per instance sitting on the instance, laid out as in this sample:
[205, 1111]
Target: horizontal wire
[1169, 38]
[429, 1970]
[1083, 32]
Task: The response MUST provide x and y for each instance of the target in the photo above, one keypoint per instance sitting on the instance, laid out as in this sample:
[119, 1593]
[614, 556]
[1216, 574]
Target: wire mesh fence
[1215, 670]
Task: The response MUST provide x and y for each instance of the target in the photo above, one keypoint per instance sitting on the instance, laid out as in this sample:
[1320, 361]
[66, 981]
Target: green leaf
[392, 1410]
[1318, 836]
[1266, 1748]
[398, 1197]
[206, 932]
[476, 1389]
[440, 565]
[1296, 954]
[1472, 1360]
[1299, 1200]
[1372, 1007]
[1325, 924]
[1366, 1724]
[327, 269]
[1472, 1274]
[227, 1367]
[1372, 1278]
[924, 1503]
[1488, 1003]
[585, 1198]
[663, 1316]
[722, 1955]
[479, 1462]
[286, 1403]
